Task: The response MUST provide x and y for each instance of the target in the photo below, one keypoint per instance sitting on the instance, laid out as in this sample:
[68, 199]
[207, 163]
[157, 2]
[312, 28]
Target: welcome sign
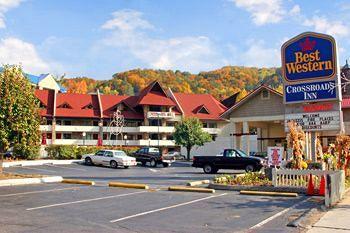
[309, 68]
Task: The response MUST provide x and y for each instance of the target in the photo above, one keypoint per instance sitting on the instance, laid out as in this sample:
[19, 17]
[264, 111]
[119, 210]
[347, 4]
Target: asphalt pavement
[61, 207]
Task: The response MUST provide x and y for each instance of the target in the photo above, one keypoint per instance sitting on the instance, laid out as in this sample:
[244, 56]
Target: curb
[48, 179]
[127, 185]
[71, 181]
[199, 182]
[187, 189]
[25, 163]
[268, 193]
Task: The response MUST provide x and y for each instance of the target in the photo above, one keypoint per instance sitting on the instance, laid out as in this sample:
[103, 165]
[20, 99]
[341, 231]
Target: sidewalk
[336, 219]
[39, 162]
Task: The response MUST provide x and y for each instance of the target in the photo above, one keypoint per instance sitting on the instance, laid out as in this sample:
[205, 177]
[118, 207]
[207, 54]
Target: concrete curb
[257, 188]
[277, 194]
[199, 182]
[187, 189]
[48, 179]
[72, 181]
[25, 163]
[128, 185]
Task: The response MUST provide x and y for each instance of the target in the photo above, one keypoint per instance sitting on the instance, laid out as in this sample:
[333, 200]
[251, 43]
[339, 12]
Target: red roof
[345, 103]
[154, 94]
[46, 98]
[192, 103]
[110, 102]
[77, 105]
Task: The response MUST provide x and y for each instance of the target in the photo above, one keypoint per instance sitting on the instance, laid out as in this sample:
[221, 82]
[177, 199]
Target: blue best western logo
[309, 56]
[309, 68]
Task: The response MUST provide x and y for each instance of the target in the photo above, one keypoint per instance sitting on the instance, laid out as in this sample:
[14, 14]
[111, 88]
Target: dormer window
[202, 109]
[89, 106]
[265, 94]
[42, 105]
[64, 105]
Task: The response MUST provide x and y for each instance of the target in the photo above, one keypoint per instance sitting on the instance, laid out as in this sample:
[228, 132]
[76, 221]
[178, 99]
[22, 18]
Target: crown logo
[307, 45]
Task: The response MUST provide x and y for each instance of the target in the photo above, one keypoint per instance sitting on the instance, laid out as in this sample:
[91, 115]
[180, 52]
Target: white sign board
[315, 121]
[275, 155]
[164, 115]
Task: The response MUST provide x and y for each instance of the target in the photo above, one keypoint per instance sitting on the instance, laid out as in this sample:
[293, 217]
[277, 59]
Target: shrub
[251, 178]
[314, 166]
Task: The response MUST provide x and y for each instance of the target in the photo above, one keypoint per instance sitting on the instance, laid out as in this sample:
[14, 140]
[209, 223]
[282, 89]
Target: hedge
[76, 152]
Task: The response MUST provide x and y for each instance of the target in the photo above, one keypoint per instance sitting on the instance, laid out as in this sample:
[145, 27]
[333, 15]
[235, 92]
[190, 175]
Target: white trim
[258, 118]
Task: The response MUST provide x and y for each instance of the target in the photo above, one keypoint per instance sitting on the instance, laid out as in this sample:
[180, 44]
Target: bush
[252, 178]
[26, 152]
[313, 165]
[76, 152]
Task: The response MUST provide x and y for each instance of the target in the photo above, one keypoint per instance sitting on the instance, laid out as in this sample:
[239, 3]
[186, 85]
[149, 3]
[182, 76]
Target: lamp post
[125, 138]
[84, 135]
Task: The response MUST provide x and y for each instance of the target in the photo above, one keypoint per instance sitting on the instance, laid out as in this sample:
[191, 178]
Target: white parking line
[69, 168]
[85, 200]
[41, 191]
[152, 170]
[166, 208]
[37, 169]
[277, 215]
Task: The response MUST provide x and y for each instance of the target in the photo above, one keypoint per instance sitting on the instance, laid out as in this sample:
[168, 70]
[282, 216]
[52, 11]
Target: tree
[189, 133]
[296, 141]
[19, 114]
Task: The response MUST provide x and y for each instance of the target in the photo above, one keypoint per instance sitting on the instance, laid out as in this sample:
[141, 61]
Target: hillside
[221, 83]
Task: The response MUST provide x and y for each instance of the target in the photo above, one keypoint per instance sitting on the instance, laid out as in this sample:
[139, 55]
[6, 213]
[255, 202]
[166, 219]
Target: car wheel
[126, 167]
[114, 164]
[88, 161]
[208, 169]
[153, 163]
[165, 164]
[249, 168]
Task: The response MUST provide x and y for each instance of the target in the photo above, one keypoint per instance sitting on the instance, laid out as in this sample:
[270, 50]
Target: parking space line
[69, 168]
[152, 170]
[166, 208]
[278, 214]
[85, 200]
[40, 191]
[36, 169]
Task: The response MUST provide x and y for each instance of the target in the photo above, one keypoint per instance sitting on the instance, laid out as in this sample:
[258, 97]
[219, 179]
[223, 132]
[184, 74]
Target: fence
[335, 181]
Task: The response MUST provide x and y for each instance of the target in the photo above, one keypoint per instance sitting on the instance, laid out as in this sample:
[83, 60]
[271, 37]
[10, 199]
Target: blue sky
[98, 38]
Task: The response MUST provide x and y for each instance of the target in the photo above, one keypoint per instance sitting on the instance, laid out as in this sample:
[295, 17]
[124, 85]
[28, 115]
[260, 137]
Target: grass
[6, 176]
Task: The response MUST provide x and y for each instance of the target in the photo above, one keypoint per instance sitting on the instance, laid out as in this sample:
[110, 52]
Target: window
[49, 122]
[155, 108]
[89, 106]
[265, 94]
[205, 125]
[95, 123]
[67, 136]
[42, 105]
[64, 105]
[95, 136]
[155, 122]
[100, 153]
[119, 153]
[213, 125]
[153, 150]
[213, 137]
[108, 154]
[170, 123]
[67, 122]
[231, 153]
[203, 110]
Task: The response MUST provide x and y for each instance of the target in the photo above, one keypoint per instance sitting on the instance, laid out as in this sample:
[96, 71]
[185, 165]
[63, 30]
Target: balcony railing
[81, 142]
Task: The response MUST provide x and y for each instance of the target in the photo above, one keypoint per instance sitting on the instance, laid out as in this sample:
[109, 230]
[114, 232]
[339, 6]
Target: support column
[233, 138]
[53, 131]
[245, 138]
[313, 146]
[259, 134]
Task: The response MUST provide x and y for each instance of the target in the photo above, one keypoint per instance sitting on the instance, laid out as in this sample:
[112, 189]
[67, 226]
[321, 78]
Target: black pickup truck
[153, 156]
[230, 159]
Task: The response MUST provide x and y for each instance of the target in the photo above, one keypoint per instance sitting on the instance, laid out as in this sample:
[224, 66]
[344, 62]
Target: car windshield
[153, 150]
[242, 153]
[120, 153]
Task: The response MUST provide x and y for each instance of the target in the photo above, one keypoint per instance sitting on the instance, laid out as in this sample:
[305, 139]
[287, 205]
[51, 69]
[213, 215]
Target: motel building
[149, 117]
[252, 124]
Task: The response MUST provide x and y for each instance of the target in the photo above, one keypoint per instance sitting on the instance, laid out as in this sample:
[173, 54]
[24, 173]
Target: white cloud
[295, 10]
[193, 53]
[259, 56]
[322, 24]
[6, 5]
[16, 51]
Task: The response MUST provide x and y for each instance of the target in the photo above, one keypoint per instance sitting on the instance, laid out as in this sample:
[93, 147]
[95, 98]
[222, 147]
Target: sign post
[312, 84]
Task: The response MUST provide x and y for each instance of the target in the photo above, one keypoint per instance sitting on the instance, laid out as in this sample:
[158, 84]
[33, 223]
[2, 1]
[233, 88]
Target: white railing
[145, 129]
[81, 142]
[335, 187]
[76, 128]
[212, 130]
[45, 128]
[296, 178]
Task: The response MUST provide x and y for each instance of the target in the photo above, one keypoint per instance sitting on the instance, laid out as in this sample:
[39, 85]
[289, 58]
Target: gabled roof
[230, 101]
[192, 103]
[110, 102]
[46, 97]
[249, 96]
[201, 109]
[77, 103]
[154, 94]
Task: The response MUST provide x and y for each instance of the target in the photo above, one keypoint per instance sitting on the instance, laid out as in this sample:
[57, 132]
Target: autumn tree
[342, 145]
[19, 114]
[296, 140]
[189, 133]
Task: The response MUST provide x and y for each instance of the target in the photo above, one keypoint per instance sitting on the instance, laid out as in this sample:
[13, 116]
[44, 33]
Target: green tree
[19, 114]
[189, 133]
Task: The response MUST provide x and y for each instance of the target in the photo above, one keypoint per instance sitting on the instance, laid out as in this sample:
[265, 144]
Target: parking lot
[59, 207]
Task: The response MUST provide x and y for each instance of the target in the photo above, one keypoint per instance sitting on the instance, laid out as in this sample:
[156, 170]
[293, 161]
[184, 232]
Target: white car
[112, 158]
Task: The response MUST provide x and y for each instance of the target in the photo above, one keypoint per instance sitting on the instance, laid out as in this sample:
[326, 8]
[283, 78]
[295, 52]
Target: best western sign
[309, 68]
